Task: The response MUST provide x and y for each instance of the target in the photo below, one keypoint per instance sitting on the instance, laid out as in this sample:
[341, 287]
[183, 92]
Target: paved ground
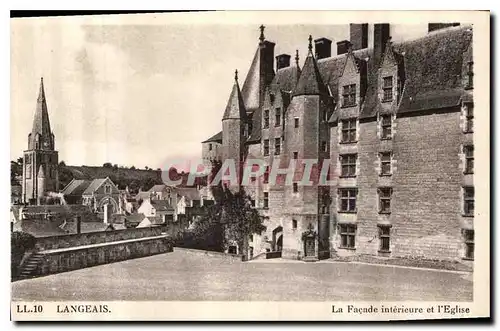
[182, 276]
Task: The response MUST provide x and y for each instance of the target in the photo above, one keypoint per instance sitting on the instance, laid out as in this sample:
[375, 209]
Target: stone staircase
[29, 267]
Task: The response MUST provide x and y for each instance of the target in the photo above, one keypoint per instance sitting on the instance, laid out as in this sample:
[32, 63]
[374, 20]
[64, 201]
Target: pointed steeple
[310, 82]
[41, 136]
[235, 108]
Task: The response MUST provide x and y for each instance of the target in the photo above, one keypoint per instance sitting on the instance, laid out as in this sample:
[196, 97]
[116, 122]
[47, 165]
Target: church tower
[40, 174]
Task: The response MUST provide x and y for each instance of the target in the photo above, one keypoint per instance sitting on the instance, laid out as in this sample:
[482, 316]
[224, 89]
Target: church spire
[41, 136]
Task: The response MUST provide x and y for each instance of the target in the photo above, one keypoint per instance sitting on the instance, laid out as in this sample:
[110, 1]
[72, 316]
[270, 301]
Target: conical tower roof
[310, 81]
[235, 108]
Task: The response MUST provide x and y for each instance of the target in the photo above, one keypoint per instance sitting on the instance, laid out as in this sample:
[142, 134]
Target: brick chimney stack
[343, 47]
[282, 61]
[358, 35]
[323, 48]
[381, 33]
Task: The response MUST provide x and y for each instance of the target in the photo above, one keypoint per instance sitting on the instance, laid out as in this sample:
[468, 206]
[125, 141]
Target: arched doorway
[277, 244]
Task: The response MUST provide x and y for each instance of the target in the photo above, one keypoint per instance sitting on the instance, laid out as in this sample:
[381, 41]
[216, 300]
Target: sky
[141, 94]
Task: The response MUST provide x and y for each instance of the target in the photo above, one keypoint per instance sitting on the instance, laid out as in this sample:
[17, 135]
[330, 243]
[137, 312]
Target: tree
[233, 212]
[107, 165]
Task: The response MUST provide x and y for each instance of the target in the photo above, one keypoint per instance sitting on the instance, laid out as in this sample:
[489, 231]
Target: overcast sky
[140, 94]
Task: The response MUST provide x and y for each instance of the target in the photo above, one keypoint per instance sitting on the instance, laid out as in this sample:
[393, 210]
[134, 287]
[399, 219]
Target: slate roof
[250, 91]
[310, 81]
[158, 188]
[135, 218]
[215, 138]
[39, 228]
[55, 209]
[94, 185]
[76, 187]
[142, 195]
[190, 193]
[235, 107]
[432, 66]
[161, 205]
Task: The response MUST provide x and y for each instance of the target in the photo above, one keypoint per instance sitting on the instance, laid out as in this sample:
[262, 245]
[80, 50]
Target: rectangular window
[385, 163]
[349, 95]
[324, 146]
[277, 120]
[384, 198]
[349, 131]
[387, 89]
[295, 155]
[209, 147]
[469, 201]
[296, 122]
[386, 126]
[347, 200]
[469, 159]
[384, 232]
[470, 74]
[266, 175]
[271, 97]
[266, 200]
[107, 189]
[469, 244]
[266, 147]
[277, 146]
[325, 115]
[295, 188]
[347, 235]
[348, 165]
[469, 117]
[266, 118]
[294, 224]
[252, 202]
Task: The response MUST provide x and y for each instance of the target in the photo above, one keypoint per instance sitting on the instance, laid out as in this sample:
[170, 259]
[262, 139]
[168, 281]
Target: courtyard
[189, 277]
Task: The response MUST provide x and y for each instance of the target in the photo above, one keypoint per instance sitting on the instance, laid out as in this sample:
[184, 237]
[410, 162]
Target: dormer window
[387, 87]
[470, 75]
[349, 95]
[266, 118]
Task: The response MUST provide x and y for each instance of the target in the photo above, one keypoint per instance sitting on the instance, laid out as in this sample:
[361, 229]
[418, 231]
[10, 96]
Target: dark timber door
[310, 249]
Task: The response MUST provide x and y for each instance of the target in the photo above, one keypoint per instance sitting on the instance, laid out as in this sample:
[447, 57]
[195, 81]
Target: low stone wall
[83, 239]
[62, 260]
[224, 256]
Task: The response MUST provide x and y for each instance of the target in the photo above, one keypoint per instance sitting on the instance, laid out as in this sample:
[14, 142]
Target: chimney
[343, 47]
[359, 35]
[323, 48]
[282, 61]
[78, 224]
[381, 34]
[439, 26]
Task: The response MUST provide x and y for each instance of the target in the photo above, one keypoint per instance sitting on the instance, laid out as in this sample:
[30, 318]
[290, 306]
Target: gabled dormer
[352, 82]
[391, 78]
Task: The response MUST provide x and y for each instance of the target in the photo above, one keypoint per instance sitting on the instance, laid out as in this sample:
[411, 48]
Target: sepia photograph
[236, 159]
